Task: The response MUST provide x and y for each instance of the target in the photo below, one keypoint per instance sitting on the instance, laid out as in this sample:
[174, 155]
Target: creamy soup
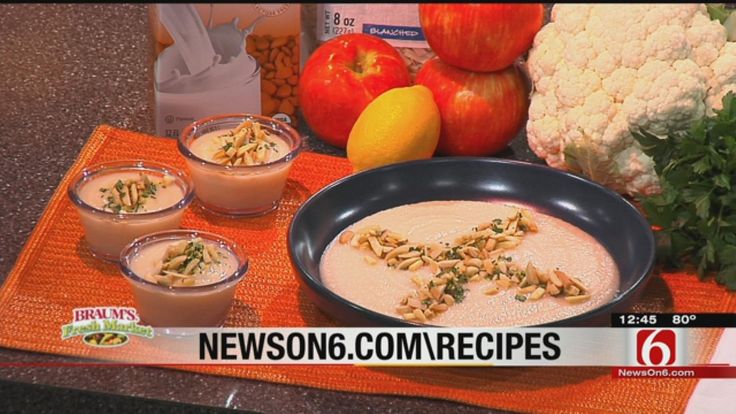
[206, 146]
[157, 193]
[173, 298]
[570, 272]
[111, 192]
[250, 186]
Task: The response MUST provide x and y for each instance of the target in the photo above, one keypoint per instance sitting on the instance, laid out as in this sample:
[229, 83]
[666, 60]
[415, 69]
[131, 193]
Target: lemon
[401, 124]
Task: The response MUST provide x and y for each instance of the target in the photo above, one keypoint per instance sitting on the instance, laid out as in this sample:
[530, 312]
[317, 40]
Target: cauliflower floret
[636, 167]
[580, 51]
[548, 127]
[547, 54]
[665, 96]
[715, 99]
[667, 43]
[576, 85]
[572, 17]
[605, 64]
[707, 37]
[723, 79]
[601, 71]
[598, 110]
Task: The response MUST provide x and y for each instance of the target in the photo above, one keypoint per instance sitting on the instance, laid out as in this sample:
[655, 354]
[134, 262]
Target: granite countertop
[66, 69]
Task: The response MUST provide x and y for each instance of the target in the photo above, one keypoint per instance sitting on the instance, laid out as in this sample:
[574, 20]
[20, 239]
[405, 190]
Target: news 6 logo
[658, 347]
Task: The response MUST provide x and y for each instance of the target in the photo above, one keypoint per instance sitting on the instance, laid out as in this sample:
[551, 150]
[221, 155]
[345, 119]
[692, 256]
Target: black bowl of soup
[590, 243]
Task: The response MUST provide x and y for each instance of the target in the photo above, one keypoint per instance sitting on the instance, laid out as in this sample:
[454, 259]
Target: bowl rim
[89, 172]
[387, 320]
[132, 248]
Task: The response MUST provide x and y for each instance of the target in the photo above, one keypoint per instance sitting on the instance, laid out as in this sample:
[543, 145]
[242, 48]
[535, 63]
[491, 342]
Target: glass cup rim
[122, 165]
[234, 248]
[294, 136]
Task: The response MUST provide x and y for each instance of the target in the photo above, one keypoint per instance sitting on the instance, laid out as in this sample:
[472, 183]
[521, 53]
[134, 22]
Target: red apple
[480, 37]
[481, 112]
[342, 77]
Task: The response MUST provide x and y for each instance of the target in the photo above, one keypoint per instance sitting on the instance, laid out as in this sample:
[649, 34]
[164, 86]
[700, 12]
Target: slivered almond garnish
[397, 251]
[419, 315]
[448, 299]
[439, 307]
[537, 294]
[531, 274]
[446, 264]
[418, 263]
[346, 236]
[577, 299]
[527, 289]
[437, 291]
[475, 256]
[413, 253]
[247, 144]
[488, 265]
[175, 262]
[471, 270]
[403, 309]
[133, 193]
[552, 290]
[564, 278]
[375, 246]
[578, 284]
[491, 290]
[555, 280]
[572, 290]
[184, 261]
[435, 250]
[414, 302]
[504, 283]
[130, 196]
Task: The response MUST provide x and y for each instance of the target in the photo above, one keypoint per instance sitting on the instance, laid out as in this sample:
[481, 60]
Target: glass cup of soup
[239, 163]
[183, 278]
[122, 200]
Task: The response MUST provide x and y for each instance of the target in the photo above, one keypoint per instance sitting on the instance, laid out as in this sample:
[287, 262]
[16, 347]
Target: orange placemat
[55, 273]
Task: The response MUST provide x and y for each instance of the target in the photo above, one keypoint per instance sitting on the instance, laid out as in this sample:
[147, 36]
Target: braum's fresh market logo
[105, 326]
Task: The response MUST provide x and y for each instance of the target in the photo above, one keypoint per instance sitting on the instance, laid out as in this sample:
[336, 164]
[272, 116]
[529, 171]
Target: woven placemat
[55, 273]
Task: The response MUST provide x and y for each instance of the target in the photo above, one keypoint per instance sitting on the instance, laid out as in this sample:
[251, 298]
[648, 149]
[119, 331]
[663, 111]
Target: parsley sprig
[696, 209]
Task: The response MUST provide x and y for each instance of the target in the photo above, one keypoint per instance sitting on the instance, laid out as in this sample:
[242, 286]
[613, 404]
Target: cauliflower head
[601, 70]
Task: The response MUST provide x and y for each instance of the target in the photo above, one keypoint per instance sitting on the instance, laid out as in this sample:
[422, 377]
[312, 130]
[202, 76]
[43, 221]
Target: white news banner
[412, 346]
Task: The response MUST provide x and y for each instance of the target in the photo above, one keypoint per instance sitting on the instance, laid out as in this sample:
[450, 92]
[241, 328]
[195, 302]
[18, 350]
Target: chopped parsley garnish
[125, 199]
[454, 253]
[455, 288]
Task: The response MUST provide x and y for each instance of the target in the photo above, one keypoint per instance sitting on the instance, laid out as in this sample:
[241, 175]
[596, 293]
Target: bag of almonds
[255, 50]
[279, 60]
[396, 23]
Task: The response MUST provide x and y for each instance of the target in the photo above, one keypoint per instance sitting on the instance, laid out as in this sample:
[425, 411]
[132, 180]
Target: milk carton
[224, 58]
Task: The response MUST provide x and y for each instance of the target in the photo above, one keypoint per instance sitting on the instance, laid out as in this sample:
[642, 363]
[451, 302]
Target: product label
[398, 24]
[394, 32]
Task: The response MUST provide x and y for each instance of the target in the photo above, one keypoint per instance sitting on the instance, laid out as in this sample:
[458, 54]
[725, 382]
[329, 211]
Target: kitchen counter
[66, 69]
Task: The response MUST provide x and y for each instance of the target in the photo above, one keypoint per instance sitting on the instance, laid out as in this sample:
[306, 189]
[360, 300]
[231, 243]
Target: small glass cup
[185, 306]
[107, 232]
[242, 190]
